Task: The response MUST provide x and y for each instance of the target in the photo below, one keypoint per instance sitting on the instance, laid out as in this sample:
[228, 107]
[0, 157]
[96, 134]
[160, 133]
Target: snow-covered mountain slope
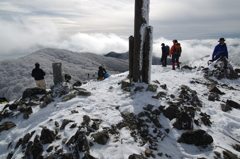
[108, 102]
[16, 74]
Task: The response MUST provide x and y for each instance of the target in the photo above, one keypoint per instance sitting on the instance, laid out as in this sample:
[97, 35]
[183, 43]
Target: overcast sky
[104, 26]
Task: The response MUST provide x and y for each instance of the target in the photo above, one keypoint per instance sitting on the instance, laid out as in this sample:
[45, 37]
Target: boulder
[69, 96]
[7, 125]
[27, 112]
[187, 67]
[160, 95]
[152, 88]
[225, 107]
[233, 104]
[59, 90]
[47, 136]
[84, 93]
[183, 122]
[126, 83]
[33, 91]
[197, 137]
[136, 156]
[64, 123]
[37, 147]
[170, 112]
[101, 137]
[215, 90]
[86, 120]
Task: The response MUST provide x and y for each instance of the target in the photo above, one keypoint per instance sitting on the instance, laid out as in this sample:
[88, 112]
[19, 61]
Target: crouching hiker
[102, 73]
[176, 52]
[38, 75]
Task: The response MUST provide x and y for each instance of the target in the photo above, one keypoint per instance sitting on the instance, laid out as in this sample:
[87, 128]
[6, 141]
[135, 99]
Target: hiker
[38, 75]
[101, 72]
[67, 78]
[165, 52]
[220, 50]
[176, 52]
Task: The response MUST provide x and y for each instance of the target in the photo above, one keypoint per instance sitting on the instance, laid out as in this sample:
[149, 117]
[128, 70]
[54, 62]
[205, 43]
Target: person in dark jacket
[220, 50]
[38, 75]
[164, 55]
[101, 72]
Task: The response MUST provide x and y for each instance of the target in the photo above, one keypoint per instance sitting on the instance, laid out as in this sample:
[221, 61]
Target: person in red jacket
[176, 52]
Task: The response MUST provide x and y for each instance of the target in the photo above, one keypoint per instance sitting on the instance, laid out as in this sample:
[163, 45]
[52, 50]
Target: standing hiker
[165, 52]
[176, 52]
[220, 50]
[38, 75]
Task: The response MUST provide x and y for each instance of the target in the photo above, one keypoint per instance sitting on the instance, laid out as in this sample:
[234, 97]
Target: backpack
[167, 49]
[177, 49]
[77, 84]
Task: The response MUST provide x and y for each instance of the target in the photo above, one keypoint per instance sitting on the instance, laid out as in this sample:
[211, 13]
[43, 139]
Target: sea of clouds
[17, 41]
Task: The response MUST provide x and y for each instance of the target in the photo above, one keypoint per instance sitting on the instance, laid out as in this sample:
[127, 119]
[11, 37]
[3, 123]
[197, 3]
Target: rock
[28, 151]
[95, 125]
[26, 138]
[46, 100]
[237, 70]
[135, 156]
[152, 88]
[229, 155]
[37, 147]
[18, 143]
[233, 104]
[33, 103]
[101, 137]
[164, 86]
[215, 90]
[50, 148]
[170, 112]
[27, 112]
[159, 95]
[60, 89]
[56, 124]
[7, 125]
[187, 67]
[86, 120]
[33, 91]
[67, 156]
[64, 123]
[125, 83]
[13, 106]
[111, 87]
[47, 136]
[156, 123]
[205, 119]
[138, 89]
[184, 121]
[87, 156]
[84, 93]
[9, 156]
[156, 81]
[69, 96]
[22, 108]
[197, 137]
[212, 96]
[73, 125]
[149, 107]
[148, 152]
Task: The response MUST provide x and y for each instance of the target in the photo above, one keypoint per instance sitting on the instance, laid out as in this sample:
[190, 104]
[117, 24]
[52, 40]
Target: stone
[84, 93]
[7, 125]
[125, 83]
[22, 108]
[136, 156]
[184, 121]
[138, 89]
[233, 104]
[9, 156]
[50, 148]
[215, 90]
[152, 88]
[170, 112]
[67, 156]
[26, 138]
[33, 103]
[47, 136]
[111, 87]
[57, 73]
[149, 107]
[197, 137]
[86, 120]
[187, 67]
[156, 123]
[28, 151]
[64, 123]
[148, 152]
[160, 95]
[164, 86]
[56, 124]
[37, 147]
[212, 96]
[73, 125]
[88, 156]
[229, 155]
[69, 96]
[27, 112]
[156, 81]
[101, 137]
[33, 91]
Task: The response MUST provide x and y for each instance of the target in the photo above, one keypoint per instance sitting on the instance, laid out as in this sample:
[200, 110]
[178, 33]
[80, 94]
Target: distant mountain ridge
[16, 73]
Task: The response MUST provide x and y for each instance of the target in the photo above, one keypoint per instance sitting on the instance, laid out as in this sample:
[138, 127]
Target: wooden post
[140, 23]
[57, 73]
[131, 48]
[147, 56]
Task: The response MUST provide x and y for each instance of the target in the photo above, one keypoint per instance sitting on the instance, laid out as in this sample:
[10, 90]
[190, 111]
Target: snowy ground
[101, 105]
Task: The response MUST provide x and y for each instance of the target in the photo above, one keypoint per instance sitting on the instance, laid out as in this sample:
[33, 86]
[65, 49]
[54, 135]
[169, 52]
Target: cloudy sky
[103, 26]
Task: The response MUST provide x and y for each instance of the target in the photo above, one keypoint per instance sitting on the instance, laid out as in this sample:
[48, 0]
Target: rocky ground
[187, 113]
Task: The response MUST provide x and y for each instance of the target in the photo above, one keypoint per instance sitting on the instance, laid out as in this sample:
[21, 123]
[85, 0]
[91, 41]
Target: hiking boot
[173, 68]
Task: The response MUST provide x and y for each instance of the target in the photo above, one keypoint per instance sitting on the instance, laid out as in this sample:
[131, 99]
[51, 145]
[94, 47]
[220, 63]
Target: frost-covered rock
[33, 91]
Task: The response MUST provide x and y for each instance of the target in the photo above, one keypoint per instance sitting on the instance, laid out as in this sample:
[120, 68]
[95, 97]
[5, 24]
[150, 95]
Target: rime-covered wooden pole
[147, 56]
[140, 24]
[131, 43]
[57, 73]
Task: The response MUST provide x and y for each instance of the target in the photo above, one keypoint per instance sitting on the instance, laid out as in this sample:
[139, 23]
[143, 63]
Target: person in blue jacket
[220, 50]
